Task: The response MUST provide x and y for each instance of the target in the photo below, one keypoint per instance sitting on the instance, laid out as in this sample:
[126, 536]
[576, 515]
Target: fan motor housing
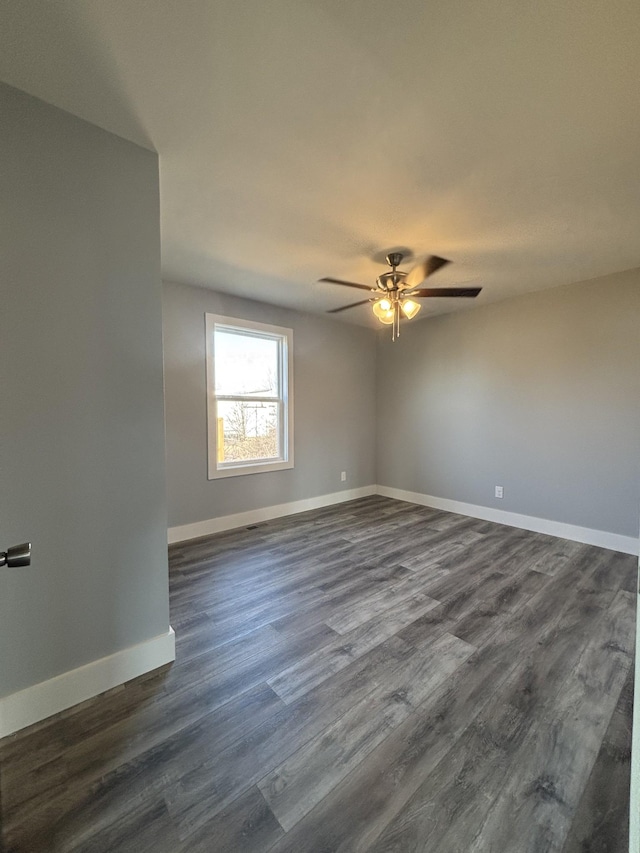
[391, 280]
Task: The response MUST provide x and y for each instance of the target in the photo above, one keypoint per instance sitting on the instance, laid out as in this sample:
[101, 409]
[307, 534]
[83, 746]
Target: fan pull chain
[396, 320]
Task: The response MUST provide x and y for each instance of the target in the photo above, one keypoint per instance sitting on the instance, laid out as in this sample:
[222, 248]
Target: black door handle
[18, 555]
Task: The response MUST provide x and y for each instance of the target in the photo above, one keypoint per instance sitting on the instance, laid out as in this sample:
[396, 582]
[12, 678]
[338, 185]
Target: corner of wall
[36, 703]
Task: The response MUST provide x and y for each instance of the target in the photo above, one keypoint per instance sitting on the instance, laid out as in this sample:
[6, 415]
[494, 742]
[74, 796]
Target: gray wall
[540, 394]
[82, 439]
[334, 405]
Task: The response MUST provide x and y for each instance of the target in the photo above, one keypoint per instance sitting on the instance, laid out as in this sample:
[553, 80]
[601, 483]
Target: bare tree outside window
[249, 431]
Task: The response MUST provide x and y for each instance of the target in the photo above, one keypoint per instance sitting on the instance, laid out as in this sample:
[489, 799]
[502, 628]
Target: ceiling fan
[396, 291]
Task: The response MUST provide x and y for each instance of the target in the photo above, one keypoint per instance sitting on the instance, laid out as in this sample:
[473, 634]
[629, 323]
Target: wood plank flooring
[375, 676]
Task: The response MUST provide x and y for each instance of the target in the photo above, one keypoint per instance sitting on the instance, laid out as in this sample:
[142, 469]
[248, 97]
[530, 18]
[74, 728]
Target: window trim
[214, 472]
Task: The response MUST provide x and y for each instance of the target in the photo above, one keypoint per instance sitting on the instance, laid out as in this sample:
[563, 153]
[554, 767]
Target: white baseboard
[255, 516]
[587, 535]
[22, 709]
[601, 538]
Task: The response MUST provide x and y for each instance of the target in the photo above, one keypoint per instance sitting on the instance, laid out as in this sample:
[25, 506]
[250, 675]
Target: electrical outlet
[343, 476]
[499, 491]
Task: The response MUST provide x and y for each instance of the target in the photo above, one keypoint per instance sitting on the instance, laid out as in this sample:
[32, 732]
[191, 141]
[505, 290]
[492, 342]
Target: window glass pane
[245, 364]
[247, 431]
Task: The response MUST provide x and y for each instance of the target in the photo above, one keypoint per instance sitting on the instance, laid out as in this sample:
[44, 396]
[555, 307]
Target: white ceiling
[304, 138]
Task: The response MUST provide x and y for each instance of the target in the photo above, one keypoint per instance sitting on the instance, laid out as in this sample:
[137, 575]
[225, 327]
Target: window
[249, 395]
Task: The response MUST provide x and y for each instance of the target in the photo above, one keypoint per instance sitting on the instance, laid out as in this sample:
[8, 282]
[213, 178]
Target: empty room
[320, 426]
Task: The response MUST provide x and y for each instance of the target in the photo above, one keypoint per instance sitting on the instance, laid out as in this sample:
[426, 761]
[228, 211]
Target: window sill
[241, 470]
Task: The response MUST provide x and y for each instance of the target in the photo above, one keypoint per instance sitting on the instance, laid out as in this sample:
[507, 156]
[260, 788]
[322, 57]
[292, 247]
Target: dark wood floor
[376, 676]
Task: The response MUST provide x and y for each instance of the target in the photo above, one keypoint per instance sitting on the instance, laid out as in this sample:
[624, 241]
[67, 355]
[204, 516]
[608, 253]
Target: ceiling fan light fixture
[410, 308]
[383, 310]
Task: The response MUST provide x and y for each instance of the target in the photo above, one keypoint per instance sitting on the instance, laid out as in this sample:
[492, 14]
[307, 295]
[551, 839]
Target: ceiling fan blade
[424, 269]
[346, 283]
[445, 291]
[344, 307]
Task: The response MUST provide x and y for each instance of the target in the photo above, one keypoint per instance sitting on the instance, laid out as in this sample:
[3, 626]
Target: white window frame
[284, 336]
